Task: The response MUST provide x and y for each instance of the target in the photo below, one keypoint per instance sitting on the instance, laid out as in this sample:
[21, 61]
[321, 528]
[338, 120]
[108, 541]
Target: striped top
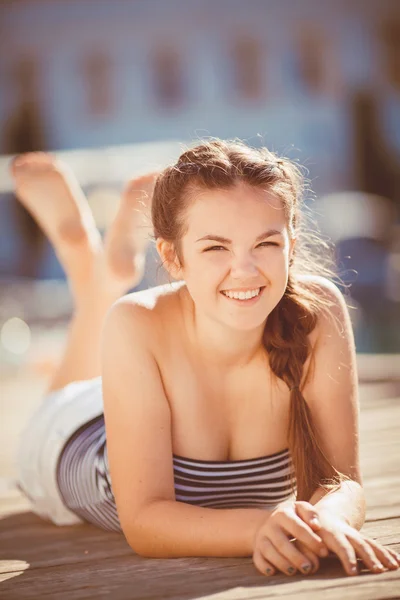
[261, 482]
[84, 480]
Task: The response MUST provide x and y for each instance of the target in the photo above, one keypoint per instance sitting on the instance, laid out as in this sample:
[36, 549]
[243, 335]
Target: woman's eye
[214, 248]
[268, 244]
[219, 248]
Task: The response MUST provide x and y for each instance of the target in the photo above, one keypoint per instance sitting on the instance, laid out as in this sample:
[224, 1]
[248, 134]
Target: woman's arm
[331, 391]
[332, 394]
[170, 529]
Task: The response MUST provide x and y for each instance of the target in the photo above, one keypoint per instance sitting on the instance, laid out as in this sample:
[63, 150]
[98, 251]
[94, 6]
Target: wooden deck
[39, 560]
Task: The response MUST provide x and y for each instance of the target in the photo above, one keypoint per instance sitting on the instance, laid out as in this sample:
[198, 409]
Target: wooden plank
[58, 545]
[378, 367]
[372, 396]
[83, 551]
[86, 544]
[382, 512]
[377, 415]
[386, 531]
[181, 579]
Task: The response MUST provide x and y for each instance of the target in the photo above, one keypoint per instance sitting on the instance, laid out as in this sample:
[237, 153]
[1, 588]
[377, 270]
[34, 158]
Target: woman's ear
[169, 258]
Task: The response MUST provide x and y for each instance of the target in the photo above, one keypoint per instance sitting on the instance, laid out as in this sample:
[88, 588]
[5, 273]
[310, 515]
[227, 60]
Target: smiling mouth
[243, 296]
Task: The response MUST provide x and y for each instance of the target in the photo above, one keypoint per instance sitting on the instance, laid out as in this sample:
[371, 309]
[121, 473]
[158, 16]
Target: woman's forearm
[169, 529]
[347, 502]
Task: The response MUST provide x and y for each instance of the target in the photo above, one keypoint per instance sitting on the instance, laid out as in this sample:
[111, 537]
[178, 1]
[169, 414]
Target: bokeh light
[15, 336]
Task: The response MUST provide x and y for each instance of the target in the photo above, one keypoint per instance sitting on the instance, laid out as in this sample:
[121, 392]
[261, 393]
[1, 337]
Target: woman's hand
[317, 531]
[348, 543]
[273, 550]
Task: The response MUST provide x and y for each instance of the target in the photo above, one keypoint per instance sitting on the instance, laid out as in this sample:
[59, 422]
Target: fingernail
[291, 570]
[268, 571]
[315, 522]
[353, 569]
[377, 567]
[306, 567]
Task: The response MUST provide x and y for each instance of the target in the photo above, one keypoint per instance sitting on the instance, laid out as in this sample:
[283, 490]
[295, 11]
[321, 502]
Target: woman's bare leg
[118, 268]
[98, 273]
[50, 192]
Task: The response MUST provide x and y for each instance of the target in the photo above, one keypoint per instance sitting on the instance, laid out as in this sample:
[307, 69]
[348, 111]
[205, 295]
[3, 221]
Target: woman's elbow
[143, 543]
[146, 549]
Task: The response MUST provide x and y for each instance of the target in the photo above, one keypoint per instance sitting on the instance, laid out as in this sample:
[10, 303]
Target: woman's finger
[296, 527]
[312, 557]
[273, 556]
[291, 552]
[384, 555]
[265, 567]
[366, 553]
[393, 554]
[340, 545]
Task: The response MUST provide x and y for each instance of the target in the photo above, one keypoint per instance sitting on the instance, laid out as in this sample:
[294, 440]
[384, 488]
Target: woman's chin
[249, 324]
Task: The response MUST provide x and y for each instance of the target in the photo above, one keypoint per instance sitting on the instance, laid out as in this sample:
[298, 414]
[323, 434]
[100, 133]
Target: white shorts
[42, 440]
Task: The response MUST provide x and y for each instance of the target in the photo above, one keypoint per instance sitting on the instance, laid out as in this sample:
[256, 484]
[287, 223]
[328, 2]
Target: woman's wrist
[337, 506]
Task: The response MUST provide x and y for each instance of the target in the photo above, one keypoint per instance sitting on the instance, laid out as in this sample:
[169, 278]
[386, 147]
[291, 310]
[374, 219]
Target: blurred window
[247, 57]
[97, 73]
[168, 77]
[311, 62]
[390, 35]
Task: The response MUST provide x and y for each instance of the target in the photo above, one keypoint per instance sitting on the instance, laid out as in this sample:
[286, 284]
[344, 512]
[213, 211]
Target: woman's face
[237, 242]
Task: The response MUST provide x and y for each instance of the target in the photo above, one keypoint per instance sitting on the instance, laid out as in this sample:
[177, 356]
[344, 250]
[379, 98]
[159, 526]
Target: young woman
[228, 399]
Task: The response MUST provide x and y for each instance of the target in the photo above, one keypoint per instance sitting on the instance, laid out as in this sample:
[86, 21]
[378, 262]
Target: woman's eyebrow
[223, 240]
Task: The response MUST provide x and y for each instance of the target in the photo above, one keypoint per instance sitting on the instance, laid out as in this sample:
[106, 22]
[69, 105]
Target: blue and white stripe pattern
[84, 481]
[262, 482]
[83, 477]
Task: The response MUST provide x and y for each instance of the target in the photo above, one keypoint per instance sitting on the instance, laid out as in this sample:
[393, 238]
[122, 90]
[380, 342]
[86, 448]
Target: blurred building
[317, 81]
[79, 73]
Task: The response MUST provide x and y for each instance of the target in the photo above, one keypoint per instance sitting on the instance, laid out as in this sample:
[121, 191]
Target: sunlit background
[115, 87]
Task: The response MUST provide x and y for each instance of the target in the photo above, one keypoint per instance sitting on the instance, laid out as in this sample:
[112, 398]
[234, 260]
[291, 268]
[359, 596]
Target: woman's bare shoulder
[143, 312]
[326, 287]
[333, 312]
[333, 330]
[153, 298]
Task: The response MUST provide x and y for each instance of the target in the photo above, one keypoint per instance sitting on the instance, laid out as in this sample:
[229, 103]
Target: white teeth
[242, 295]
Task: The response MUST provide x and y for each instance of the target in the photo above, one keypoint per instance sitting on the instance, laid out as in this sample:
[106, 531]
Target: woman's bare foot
[129, 234]
[50, 192]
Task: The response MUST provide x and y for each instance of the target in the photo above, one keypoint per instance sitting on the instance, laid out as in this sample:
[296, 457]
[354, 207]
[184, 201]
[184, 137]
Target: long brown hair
[217, 164]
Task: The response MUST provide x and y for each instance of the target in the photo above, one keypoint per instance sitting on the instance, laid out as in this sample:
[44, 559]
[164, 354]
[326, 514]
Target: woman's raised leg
[98, 273]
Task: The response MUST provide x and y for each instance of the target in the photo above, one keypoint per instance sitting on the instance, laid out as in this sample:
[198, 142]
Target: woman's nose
[243, 266]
